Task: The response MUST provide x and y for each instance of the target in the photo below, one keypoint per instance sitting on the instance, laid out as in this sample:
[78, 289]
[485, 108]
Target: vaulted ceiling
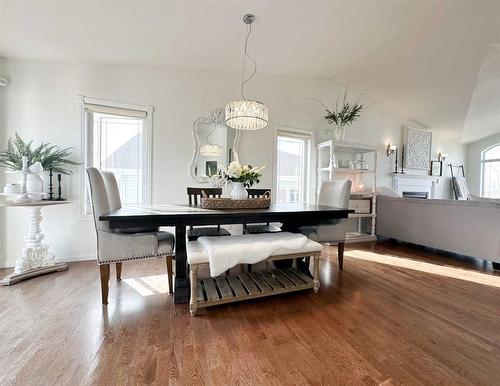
[425, 60]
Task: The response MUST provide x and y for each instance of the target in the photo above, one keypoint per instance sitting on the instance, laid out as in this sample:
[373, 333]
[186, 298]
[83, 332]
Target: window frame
[147, 145]
[308, 135]
[483, 163]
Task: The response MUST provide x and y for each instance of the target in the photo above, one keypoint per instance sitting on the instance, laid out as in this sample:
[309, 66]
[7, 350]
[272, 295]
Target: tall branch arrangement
[50, 156]
[346, 113]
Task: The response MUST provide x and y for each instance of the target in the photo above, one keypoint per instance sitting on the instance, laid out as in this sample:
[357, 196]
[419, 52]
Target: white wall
[473, 166]
[40, 103]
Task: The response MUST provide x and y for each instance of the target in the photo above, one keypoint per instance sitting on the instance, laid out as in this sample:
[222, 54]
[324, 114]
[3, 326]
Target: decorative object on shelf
[12, 188]
[417, 148]
[59, 190]
[51, 186]
[247, 114]
[49, 156]
[360, 164]
[442, 156]
[345, 164]
[36, 258]
[390, 150]
[21, 157]
[212, 139]
[436, 168]
[343, 115]
[24, 197]
[403, 160]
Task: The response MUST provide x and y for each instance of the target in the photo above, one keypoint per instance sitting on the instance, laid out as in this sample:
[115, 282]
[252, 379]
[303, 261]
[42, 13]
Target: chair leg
[104, 269]
[170, 275]
[341, 255]
[193, 277]
[316, 283]
[118, 271]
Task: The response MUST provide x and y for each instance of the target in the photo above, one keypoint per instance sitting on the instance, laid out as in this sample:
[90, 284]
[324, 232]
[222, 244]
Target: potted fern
[43, 157]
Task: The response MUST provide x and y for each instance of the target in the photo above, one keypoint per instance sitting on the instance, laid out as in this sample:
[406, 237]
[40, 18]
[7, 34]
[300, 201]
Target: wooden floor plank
[396, 315]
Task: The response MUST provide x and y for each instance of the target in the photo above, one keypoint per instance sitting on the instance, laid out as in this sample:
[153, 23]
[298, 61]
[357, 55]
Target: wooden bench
[209, 292]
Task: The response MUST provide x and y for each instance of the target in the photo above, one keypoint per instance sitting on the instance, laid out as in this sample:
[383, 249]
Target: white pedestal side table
[36, 258]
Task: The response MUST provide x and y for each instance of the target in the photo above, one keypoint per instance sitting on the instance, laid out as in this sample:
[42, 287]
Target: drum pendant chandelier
[247, 114]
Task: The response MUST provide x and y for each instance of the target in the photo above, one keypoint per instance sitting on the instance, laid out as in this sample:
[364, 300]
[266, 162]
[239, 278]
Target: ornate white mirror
[214, 143]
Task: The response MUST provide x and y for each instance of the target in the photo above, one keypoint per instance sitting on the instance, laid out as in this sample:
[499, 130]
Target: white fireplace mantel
[415, 183]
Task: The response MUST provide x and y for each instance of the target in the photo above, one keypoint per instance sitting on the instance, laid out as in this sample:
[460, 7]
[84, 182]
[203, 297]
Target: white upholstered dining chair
[125, 245]
[333, 193]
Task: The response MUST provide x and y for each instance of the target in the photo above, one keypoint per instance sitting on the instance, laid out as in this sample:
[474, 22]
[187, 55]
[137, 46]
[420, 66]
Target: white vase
[238, 191]
[339, 133]
[34, 186]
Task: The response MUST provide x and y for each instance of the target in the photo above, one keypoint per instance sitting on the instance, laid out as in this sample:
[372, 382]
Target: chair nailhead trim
[135, 258]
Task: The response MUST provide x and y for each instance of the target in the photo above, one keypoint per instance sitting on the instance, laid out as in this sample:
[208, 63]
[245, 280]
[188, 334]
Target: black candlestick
[59, 176]
[403, 160]
[51, 190]
[396, 163]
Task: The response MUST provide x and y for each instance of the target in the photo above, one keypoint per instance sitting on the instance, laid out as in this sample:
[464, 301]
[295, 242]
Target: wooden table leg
[301, 264]
[181, 293]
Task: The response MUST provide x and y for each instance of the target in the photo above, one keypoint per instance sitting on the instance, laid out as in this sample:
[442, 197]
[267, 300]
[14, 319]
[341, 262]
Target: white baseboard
[59, 259]
[72, 258]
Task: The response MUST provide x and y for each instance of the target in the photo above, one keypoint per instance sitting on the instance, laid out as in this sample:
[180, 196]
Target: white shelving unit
[362, 170]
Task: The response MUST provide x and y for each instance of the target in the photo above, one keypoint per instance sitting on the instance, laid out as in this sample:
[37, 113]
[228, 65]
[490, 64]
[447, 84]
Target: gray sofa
[469, 228]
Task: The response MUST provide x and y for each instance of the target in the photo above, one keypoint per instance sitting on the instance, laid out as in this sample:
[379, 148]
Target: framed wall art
[417, 148]
[436, 168]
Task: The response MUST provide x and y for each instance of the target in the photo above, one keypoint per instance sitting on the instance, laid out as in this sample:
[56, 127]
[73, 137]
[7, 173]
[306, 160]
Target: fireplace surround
[415, 186]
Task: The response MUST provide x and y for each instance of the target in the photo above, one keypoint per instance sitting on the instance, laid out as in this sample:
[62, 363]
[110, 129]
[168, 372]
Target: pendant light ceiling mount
[247, 114]
[248, 18]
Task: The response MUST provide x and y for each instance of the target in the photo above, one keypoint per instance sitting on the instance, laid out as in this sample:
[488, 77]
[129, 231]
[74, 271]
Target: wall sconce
[442, 156]
[390, 149]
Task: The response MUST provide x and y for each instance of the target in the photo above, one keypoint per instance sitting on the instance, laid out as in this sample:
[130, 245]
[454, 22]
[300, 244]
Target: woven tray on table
[262, 202]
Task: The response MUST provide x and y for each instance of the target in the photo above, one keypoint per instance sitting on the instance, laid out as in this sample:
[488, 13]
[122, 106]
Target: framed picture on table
[437, 168]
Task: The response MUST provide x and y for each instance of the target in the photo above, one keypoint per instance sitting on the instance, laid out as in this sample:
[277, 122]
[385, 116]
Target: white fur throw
[226, 252]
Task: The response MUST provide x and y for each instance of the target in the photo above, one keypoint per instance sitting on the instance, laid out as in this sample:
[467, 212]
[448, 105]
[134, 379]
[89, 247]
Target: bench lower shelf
[251, 285]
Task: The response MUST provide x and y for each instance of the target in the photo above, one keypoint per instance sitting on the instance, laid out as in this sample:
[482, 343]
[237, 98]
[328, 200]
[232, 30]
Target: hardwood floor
[395, 315]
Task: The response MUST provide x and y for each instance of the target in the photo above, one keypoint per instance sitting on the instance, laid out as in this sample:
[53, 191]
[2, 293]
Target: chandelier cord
[245, 56]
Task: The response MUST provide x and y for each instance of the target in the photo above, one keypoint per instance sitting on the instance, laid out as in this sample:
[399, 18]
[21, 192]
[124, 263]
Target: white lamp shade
[246, 115]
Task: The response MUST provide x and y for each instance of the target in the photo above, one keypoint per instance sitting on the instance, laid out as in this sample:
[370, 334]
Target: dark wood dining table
[292, 216]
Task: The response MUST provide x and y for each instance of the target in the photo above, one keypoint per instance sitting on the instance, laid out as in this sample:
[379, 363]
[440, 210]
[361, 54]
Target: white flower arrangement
[236, 172]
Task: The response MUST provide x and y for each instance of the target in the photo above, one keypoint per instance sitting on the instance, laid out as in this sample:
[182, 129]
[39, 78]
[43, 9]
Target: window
[117, 138]
[490, 172]
[292, 166]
